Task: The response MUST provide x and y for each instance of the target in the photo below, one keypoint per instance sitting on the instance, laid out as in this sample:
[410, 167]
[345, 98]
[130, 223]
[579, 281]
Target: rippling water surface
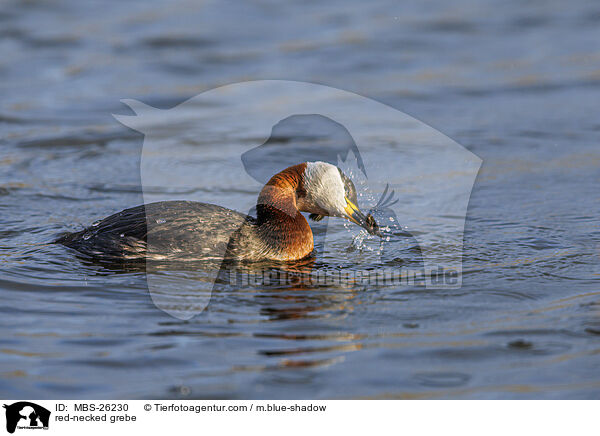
[516, 84]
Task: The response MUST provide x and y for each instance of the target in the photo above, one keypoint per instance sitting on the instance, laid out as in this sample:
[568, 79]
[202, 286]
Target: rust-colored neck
[278, 217]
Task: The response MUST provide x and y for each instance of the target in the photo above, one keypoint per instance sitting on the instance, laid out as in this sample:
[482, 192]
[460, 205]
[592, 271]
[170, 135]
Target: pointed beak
[367, 222]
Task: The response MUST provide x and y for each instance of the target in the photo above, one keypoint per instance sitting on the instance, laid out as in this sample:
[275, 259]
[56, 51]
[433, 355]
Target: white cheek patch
[324, 187]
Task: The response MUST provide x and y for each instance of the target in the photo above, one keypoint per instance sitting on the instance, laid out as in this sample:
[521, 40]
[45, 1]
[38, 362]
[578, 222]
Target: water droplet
[161, 221]
[122, 235]
[87, 236]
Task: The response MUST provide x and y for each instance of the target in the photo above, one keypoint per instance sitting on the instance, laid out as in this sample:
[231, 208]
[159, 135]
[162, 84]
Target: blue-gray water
[517, 83]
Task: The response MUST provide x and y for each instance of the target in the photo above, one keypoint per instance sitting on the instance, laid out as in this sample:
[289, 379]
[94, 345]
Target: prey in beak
[367, 222]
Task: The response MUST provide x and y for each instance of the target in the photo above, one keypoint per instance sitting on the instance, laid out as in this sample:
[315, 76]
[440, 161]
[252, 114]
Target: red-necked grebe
[187, 230]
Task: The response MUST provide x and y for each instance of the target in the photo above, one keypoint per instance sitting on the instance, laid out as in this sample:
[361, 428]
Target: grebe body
[187, 230]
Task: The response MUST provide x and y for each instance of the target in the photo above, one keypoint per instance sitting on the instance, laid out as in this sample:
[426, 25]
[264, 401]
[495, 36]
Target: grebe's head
[329, 192]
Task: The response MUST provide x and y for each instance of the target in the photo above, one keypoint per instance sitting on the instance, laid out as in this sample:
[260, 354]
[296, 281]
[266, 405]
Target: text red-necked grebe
[187, 230]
